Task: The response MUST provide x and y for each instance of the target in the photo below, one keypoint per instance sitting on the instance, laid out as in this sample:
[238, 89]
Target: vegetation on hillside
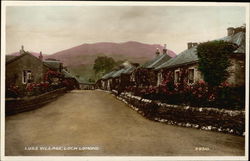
[104, 64]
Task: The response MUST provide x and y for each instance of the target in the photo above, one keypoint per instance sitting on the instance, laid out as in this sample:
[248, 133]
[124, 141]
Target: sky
[54, 28]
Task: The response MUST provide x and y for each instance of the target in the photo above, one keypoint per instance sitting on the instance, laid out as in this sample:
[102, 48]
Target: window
[177, 76]
[26, 76]
[190, 76]
[159, 78]
[132, 77]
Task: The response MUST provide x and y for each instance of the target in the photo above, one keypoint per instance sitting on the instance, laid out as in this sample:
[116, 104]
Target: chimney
[194, 44]
[22, 50]
[164, 51]
[41, 56]
[189, 44]
[157, 52]
[230, 31]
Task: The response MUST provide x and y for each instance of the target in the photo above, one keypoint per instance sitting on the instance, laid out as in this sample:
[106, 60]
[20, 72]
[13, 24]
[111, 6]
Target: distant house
[127, 77]
[73, 81]
[119, 78]
[184, 67]
[106, 81]
[54, 64]
[84, 85]
[24, 69]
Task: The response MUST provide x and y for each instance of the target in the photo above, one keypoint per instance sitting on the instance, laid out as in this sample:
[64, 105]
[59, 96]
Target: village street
[97, 119]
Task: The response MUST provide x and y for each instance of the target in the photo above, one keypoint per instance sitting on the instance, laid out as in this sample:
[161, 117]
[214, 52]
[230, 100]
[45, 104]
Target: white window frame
[192, 68]
[26, 76]
[159, 78]
[175, 79]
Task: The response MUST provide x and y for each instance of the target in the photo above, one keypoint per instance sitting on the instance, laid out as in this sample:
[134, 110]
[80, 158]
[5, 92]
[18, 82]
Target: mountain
[87, 53]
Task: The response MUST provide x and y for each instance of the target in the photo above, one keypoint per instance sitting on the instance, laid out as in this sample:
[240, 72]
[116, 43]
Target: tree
[214, 61]
[103, 64]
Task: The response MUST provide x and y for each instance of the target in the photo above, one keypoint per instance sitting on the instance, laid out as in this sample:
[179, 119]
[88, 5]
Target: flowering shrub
[198, 94]
[50, 75]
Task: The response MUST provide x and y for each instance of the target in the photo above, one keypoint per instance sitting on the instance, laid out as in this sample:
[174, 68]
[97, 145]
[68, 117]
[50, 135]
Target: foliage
[145, 77]
[52, 80]
[104, 64]
[50, 75]
[197, 95]
[214, 61]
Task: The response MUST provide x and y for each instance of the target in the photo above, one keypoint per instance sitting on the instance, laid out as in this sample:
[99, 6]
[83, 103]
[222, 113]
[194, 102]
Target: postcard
[124, 80]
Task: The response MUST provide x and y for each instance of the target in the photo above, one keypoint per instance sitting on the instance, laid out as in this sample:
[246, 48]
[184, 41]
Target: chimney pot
[41, 56]
[194, 44]
[164, 49]
[22, 50]
[157, 52]
[230, 31]
[189, 44]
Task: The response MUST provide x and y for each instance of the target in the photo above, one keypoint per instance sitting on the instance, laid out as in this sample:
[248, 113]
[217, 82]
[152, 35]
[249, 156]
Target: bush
[197, 95]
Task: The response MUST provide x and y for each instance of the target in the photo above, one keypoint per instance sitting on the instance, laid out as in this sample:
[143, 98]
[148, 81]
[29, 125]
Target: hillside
[86, 53]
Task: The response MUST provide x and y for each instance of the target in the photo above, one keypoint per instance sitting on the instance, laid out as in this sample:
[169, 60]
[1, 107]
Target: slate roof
[118, 73]
[52, 63]
[108, 75]
[9, 57]
[185, 57]
[239, 39]
[189, 56]
[67, 74]
[156, 61]
[129, 70]
[70, 75]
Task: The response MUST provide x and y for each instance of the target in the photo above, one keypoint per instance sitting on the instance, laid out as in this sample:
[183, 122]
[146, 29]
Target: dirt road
[81, 120]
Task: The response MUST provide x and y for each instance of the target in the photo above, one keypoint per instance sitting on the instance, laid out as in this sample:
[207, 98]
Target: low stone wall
[17, 105]
[228, 121]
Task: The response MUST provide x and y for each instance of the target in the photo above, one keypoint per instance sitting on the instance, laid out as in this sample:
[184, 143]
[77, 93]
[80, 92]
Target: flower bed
[228, 121]
[196, 95]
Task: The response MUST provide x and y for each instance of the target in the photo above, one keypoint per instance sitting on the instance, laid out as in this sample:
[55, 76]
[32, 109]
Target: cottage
[85, 85]
[71, 81]
[106, 80]
[145, 75]
[184, 67]
[24, 68]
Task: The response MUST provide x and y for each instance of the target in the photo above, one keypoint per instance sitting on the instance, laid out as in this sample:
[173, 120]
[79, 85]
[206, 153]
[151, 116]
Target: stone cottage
[184, 67]
[145, 75]
[24, 68]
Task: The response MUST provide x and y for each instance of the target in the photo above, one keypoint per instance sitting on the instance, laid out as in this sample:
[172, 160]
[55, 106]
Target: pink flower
[201, 82]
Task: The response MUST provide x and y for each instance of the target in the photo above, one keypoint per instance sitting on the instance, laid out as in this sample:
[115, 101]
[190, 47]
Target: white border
[119, 3]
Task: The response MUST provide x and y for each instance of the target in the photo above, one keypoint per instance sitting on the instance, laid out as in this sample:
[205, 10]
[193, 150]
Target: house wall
[237, 72]
[14, 70]
[169, 74]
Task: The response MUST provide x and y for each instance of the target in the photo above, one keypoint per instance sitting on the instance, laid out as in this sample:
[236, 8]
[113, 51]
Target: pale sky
[55, 28]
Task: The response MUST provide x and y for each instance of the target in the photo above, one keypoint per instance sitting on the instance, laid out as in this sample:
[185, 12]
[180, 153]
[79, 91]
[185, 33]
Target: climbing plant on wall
[214, 61]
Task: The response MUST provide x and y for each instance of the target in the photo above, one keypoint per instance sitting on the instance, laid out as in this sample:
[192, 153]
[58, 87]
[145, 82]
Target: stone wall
[17, 105]
[228, 121]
